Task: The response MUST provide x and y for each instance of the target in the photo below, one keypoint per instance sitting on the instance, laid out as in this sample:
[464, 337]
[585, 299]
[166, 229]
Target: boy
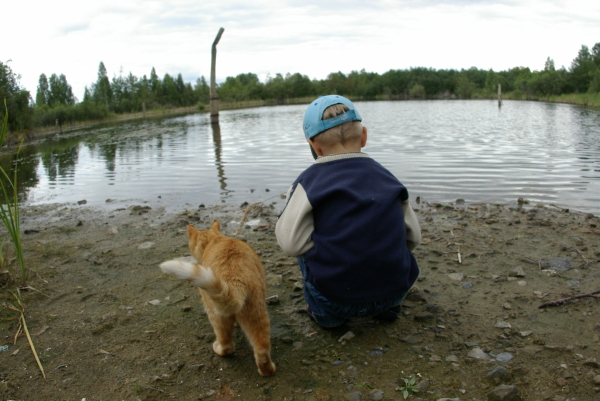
[349, 222]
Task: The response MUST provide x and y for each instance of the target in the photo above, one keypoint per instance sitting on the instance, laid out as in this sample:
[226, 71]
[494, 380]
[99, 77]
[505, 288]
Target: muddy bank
[108, 325]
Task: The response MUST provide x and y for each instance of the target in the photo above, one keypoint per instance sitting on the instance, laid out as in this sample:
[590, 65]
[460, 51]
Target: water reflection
[441, 150]
[216, 134]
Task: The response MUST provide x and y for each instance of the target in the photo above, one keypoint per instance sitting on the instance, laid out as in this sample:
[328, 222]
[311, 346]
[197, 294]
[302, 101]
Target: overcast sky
[311, 37]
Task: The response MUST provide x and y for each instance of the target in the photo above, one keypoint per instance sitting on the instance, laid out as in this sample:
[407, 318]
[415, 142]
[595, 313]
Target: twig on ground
[564, 300]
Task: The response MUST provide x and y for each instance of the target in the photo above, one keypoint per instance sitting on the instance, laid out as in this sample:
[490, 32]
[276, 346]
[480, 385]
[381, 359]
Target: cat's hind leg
[257, 329]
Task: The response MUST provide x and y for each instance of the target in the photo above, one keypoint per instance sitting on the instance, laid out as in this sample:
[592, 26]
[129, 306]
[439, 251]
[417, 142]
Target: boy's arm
[413, 231]
[295, 225]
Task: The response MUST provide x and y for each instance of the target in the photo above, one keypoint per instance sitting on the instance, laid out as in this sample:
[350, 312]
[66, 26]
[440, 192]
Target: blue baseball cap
[313, 117]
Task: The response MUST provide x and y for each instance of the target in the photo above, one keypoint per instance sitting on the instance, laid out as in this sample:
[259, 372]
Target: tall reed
[9, 208]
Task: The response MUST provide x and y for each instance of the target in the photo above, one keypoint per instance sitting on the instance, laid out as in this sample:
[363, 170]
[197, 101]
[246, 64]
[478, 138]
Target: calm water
[441, 150]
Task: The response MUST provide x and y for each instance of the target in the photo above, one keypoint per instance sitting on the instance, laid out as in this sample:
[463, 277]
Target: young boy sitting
[349, 222]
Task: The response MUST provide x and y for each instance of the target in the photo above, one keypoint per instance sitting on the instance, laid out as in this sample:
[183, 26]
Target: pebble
[274, 279]
[503, 325]
[354, 396]
[478, 353]
[467, 285]
[504, 393]
[504, 357]
[451, 358]
[498, 375]
[348, 336]
[456, 276]
[376, 395]
[146, 245]
[336, 363]
[273, 299]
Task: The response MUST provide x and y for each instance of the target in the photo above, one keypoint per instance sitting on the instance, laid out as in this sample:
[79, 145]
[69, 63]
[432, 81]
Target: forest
[54, 102]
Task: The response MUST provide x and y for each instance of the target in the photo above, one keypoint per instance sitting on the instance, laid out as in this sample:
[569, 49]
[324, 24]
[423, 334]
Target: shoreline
[108, 324]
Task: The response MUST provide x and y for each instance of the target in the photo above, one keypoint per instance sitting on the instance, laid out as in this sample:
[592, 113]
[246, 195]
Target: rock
[477, 353]
[456, 276]
[145, 245]
[592, 363]
[348, 336]
[423, 386]
[526, 333]
[273, 279]
[272, 300]
[504, 357]
[336, 363]
[522, 283]
[416, 295]
[505, 393]
[596, 379]
[498, 375]
[82, 202]
[502, 325]
[451, 358]
[423, 316]
[376, 395]
[557, 264]
[467, 285]
[517, 272]
[196, 366]
[354, 396]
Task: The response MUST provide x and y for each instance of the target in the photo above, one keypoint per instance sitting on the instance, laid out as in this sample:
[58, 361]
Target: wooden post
[214, 97]
[144, 108]
[499, 95]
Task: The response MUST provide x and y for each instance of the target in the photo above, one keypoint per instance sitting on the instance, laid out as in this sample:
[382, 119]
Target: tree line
[54, 100]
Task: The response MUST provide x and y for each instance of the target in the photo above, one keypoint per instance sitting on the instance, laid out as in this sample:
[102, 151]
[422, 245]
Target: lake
[440, 150]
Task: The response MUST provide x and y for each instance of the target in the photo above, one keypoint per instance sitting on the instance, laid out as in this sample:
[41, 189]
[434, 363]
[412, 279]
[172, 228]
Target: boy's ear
[316, 147]
[363, 137]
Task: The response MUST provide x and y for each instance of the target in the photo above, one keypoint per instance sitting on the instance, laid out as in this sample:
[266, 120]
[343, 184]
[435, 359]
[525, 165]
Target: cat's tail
[198, 275]
[230, 301]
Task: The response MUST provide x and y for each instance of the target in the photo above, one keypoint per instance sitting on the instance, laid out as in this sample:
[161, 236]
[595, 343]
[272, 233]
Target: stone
[146, 245]
[505, 393]
[376, 395]
[424, 316]
[272, 300]
[456, 276]
[498, 375]
[274, 279]
[451, 358]
[353, 396]
[517, 272]
[348, 336]
[503, 325]
[504, 357]
[477, 353]
[596, 379]
[592, 363]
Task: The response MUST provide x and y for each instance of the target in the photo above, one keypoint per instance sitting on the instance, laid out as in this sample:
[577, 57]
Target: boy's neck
[338, 148]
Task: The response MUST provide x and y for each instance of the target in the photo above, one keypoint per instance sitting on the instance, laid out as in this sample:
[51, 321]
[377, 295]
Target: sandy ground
[108, 325]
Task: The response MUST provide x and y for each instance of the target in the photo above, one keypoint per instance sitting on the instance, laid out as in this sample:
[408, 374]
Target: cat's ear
[191, 230]
[216, 226]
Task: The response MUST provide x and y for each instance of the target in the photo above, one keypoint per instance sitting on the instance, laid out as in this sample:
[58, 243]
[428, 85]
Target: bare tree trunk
[214, 98]
[499, 95]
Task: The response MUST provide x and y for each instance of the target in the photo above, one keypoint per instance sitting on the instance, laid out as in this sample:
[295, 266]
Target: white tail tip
[198, 275]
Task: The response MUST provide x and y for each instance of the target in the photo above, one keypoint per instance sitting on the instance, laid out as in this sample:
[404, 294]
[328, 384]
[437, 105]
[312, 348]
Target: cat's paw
[222, 350]
[267, 369]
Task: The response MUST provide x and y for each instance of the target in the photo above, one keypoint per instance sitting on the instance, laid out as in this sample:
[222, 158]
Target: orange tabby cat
[231, 281]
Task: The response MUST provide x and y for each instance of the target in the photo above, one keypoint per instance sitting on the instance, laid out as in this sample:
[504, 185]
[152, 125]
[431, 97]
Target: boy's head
[332, 119]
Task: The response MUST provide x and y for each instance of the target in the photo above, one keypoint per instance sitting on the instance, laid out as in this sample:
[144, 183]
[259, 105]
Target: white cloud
[310, 37]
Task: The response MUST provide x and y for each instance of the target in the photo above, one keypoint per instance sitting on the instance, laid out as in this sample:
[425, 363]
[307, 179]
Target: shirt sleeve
[295, 225]
[413, 231]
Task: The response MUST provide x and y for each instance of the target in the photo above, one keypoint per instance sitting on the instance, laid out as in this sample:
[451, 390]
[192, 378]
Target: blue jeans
[332, 314]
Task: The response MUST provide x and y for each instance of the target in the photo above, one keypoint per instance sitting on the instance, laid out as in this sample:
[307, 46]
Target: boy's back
[348, 219]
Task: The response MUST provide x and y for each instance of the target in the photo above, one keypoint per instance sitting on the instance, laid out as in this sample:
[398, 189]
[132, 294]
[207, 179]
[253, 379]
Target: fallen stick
[564, 300]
